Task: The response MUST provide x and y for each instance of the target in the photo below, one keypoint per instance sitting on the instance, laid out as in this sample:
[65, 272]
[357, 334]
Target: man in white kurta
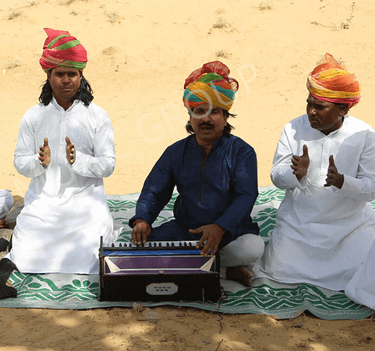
[65, 208]
[66, 146]
[323, 231]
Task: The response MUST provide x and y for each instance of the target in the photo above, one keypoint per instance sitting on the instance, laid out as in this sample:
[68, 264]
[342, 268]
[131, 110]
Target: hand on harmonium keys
[141, 231]
[210, 240]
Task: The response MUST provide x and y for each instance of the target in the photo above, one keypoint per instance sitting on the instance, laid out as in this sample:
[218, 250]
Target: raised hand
[45, 154]
[300, 164]
[70, 151]
[333, 176]
[212, 234]
[140, 232]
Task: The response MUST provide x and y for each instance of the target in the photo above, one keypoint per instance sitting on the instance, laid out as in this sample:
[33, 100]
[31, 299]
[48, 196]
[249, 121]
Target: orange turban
[331, 82]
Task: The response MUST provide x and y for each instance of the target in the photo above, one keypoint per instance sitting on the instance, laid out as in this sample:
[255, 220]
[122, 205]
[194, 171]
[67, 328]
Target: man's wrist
[219, 227]
[139, 220]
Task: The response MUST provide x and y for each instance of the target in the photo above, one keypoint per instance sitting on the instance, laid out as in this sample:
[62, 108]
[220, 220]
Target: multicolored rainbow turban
[331, 82]
[62, 50]
[210, 83]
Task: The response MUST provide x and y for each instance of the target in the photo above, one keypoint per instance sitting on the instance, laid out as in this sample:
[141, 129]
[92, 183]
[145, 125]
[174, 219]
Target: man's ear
[49, 74]
[344, 110]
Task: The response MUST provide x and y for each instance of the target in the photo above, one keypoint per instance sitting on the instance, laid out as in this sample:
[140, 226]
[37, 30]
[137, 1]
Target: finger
[144, 237]
[295, 160]
[45, 142]
[331, 161]
[209, 249]
[67, 140]
[196, 231]
[305, 151]
[145, 233]
[200, 242]
[136, 236]
[332, 172]
[202, 239]
[329, 182]
[214, 250]
[295, 170]
[206, 249]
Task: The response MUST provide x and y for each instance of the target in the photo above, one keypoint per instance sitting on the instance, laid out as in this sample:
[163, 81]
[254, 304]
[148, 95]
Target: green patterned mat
[60, 291]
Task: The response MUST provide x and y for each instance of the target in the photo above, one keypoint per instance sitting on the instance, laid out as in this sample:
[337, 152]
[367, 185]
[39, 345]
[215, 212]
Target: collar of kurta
[60, 108]
[332, 133]
[217, 143]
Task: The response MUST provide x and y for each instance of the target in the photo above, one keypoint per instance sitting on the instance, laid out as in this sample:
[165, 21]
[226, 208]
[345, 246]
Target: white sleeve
[26, 155]
[362, 186]
[103, 162]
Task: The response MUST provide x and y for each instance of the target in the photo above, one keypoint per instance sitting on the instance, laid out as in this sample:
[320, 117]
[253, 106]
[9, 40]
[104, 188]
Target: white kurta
[322, 234]
[65, 208]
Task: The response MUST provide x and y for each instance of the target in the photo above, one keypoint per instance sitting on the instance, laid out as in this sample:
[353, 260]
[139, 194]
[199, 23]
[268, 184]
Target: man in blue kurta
[216, 177]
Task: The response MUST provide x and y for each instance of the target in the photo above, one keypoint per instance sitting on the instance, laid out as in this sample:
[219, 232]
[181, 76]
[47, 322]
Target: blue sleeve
[157, 190]
[244, 191]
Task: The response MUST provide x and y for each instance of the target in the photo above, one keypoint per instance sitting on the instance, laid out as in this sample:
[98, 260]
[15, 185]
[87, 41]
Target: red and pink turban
[331, 82]
[210, 83]
[62, 50]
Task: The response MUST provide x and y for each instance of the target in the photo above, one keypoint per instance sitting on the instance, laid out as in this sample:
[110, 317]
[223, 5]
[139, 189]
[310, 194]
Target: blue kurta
[220, 188]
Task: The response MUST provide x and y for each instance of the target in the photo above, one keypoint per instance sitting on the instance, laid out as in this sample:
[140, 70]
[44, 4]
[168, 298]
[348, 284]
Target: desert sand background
[140, 53]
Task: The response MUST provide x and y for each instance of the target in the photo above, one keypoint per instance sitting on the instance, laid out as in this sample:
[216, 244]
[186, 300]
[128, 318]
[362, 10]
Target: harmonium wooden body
[158, 271]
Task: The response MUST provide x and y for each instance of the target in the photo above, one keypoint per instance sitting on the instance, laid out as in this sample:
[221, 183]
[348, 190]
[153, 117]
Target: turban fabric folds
[60, 49]
[210, 83]
[331, 82]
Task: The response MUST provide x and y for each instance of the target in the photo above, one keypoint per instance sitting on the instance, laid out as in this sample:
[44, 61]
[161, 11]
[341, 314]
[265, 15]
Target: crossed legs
[238, 257]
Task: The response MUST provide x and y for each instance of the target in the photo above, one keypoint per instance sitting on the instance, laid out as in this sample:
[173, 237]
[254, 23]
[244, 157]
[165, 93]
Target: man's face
[65, 83]
[208, 123]
[324, 115]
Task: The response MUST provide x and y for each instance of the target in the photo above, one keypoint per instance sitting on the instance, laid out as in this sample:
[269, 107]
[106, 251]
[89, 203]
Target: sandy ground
[140, 53]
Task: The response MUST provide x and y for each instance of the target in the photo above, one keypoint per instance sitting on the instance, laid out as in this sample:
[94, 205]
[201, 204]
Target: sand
[140, 53]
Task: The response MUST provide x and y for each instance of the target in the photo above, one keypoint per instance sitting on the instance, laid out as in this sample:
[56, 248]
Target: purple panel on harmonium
[123, 264]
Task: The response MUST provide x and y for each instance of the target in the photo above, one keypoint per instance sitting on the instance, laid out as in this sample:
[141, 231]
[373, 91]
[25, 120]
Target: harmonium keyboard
[157, 271]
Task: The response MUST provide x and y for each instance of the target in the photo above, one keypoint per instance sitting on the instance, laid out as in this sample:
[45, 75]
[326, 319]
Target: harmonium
[157, 271]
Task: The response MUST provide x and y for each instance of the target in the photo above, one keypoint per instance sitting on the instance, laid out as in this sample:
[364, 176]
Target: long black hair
[227, 129]
[85, 93]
